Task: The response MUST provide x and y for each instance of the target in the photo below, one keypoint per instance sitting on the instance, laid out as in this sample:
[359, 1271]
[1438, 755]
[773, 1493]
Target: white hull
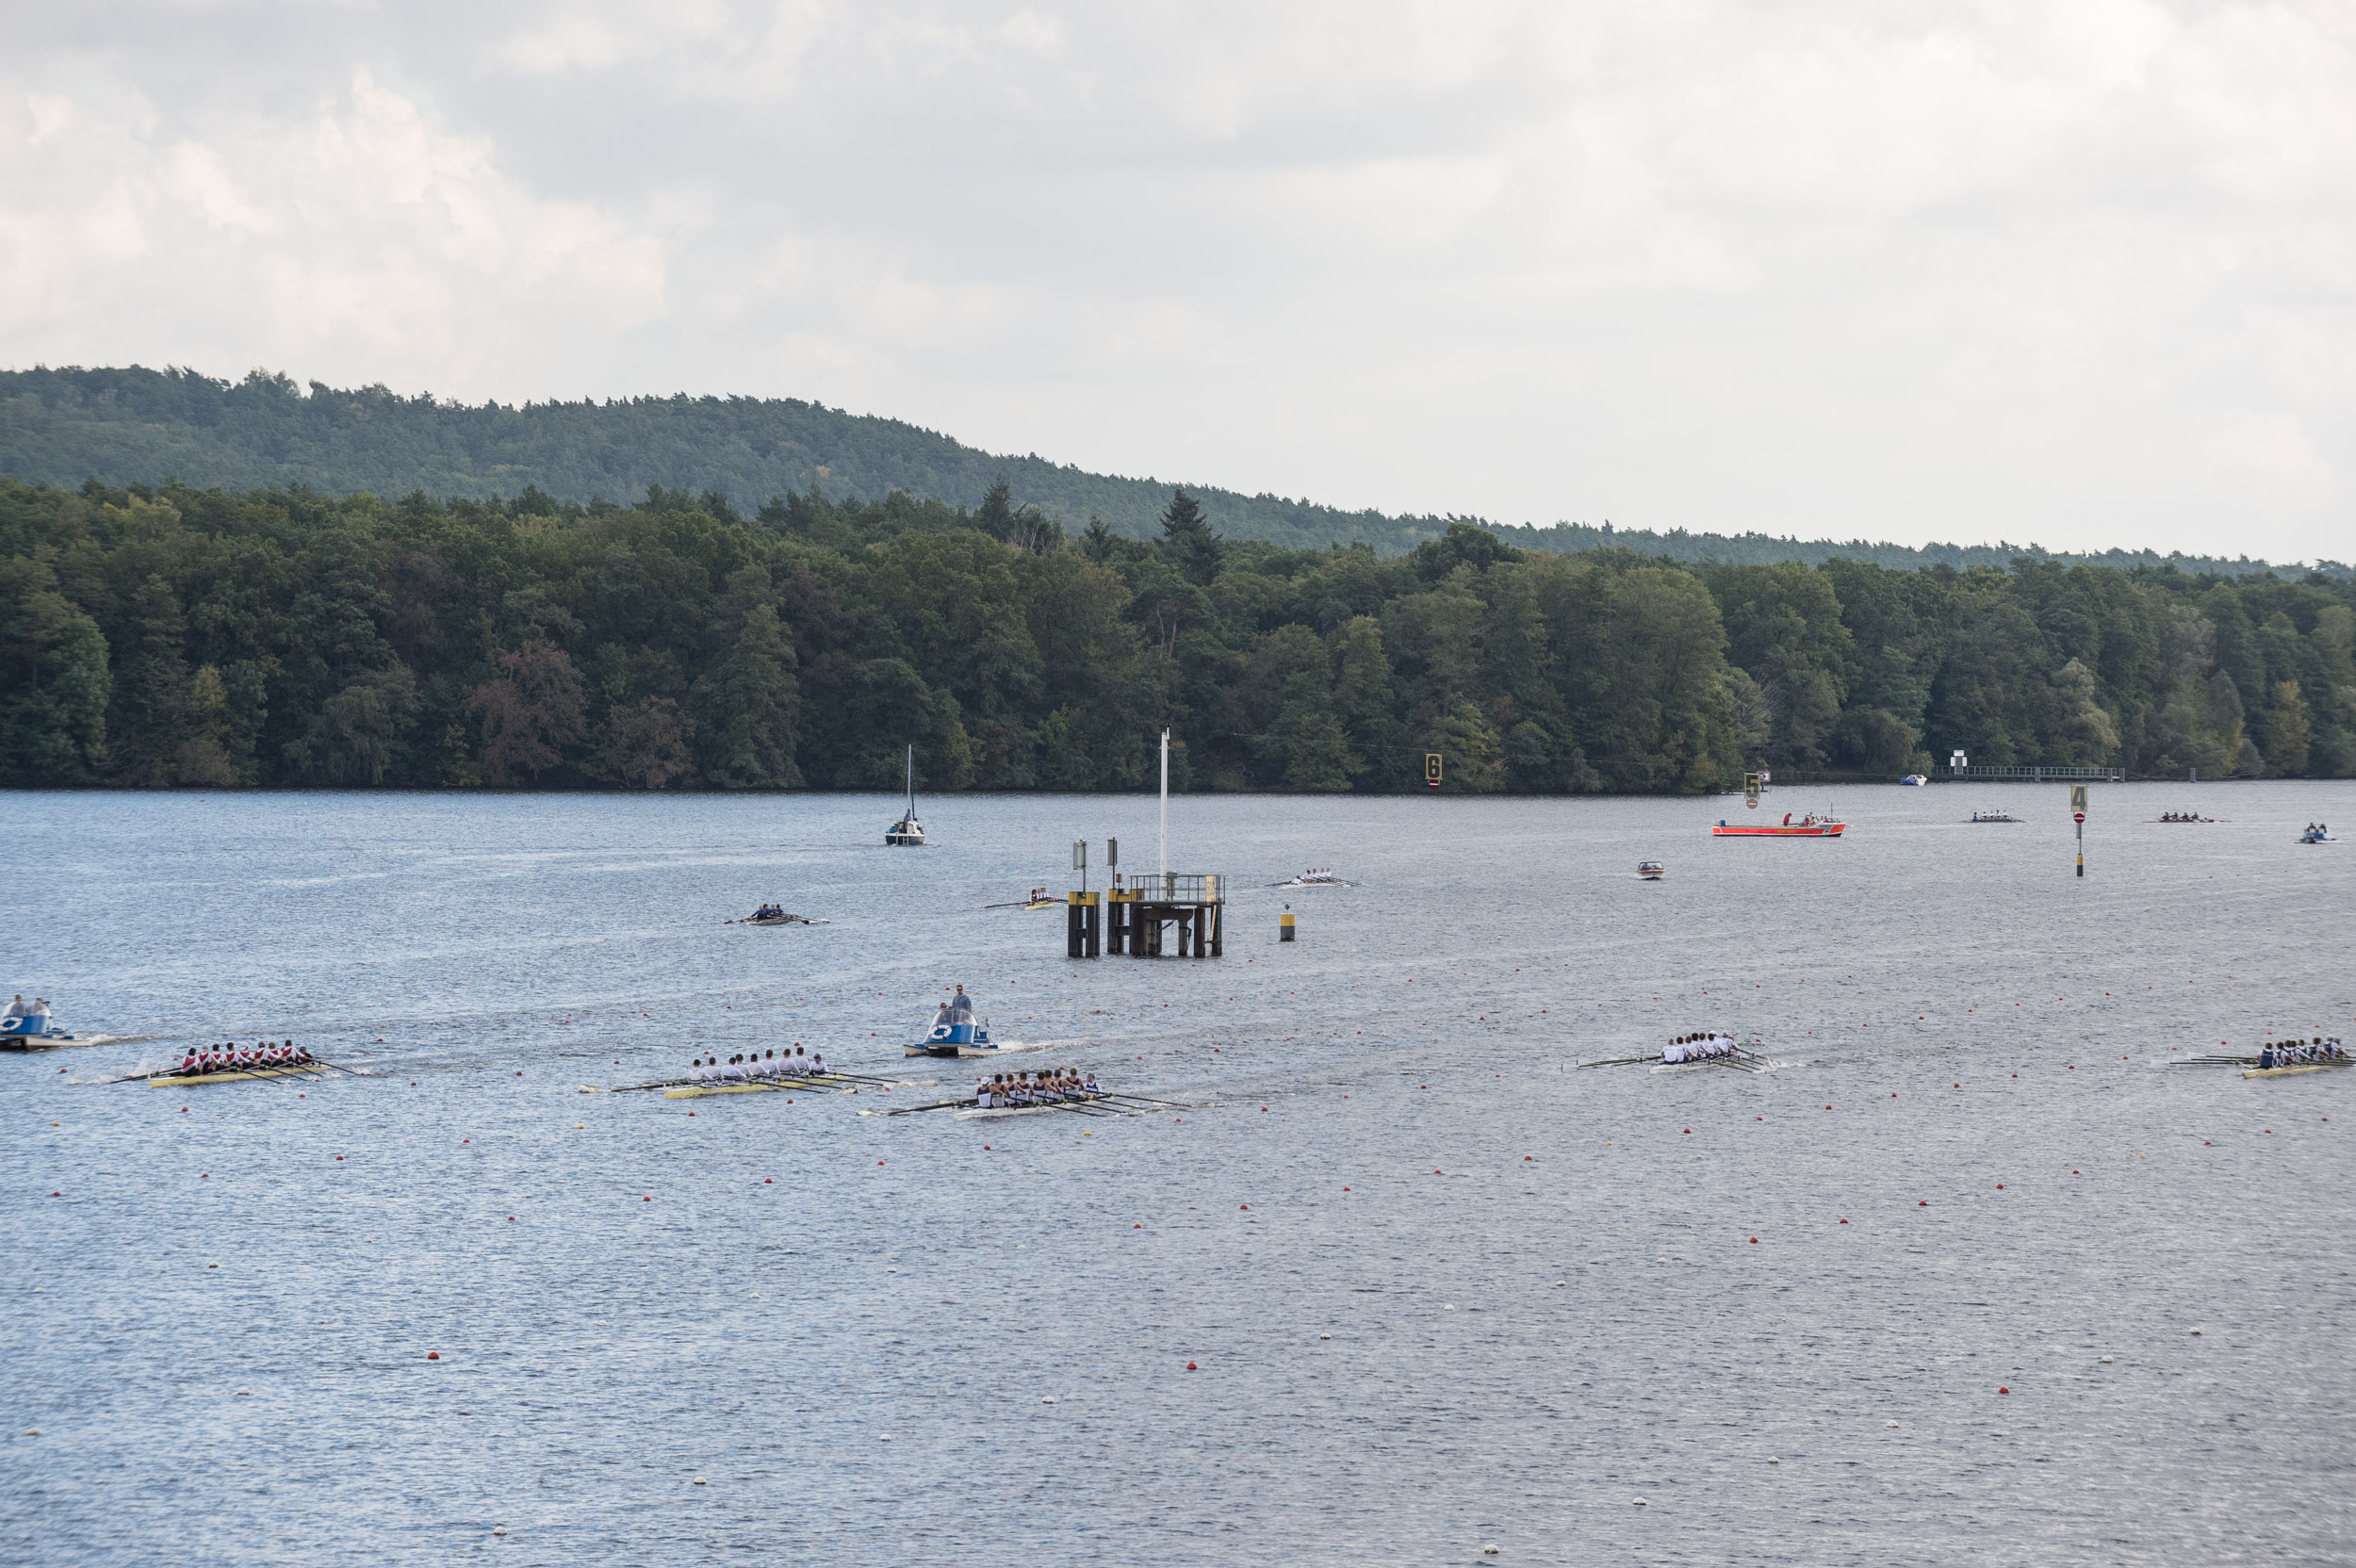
[998, 1111]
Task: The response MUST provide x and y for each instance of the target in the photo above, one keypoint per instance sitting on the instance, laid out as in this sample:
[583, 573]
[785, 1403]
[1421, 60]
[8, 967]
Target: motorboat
[1914, 778]
[907, 833]
[1809, 826]
[2318, 834]
[1651, 870]
[27, 1027]
[1993, 816]
[955, 1037]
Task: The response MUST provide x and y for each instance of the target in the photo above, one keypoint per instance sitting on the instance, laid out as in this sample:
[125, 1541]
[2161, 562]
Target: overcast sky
[2081, 272]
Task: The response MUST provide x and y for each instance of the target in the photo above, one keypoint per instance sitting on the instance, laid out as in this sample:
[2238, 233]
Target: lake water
[1551, 1294]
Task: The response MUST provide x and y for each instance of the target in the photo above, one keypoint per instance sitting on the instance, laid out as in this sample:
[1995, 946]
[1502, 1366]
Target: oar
[1621, 1061]
[935, 1105]
[1173, 1104]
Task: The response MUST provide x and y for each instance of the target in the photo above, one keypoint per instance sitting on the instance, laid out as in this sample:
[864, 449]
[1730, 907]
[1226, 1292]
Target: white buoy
[1772, 1460]
[2106, 1361]
[1640, 1502]
[1449, 1307]
[1891, 1424]
[699, 1480]
[2196, 1333]
[1488, 1551]
[245, 1392]
[216, 1265]
[1325, 1336]
[1046, 1398]
[499, 1529]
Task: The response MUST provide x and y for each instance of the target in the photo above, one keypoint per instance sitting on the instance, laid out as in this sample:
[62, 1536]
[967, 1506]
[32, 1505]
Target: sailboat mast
[911, 780]
[1165, 834]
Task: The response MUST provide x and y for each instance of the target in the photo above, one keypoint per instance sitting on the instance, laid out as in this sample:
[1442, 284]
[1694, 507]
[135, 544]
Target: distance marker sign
[1432, 770]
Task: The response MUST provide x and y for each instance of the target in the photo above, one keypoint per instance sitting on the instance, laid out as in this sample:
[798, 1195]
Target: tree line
[63, 425]
[171, 636]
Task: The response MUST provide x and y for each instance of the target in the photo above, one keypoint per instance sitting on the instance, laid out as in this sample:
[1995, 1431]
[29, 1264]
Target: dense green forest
[174, 636]
[131, 425]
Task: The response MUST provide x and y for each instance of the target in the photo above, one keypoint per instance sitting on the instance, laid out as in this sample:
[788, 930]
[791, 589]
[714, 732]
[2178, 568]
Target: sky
[2081, 273]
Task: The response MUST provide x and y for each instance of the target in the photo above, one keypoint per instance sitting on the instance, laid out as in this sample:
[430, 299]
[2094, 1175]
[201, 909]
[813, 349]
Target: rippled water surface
[1551, 1294]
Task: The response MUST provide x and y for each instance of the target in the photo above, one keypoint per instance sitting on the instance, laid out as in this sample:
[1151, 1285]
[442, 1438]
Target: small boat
[957, 1037]
[1319, 878]
[1651, 870]
[1914, 778]
[2317, 836]
[1993, 816]
[907, 833]
[2172, 818]
[2296, 1067]
[777, 917]
[30, 1029]
[1808, 827]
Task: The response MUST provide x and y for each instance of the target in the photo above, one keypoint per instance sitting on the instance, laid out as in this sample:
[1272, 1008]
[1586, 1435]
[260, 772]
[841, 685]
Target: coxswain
[1087, 1085]
[2265, 1057]
[981, 1094]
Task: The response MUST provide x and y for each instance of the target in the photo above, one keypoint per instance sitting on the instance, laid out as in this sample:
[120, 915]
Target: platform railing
[1171, 887]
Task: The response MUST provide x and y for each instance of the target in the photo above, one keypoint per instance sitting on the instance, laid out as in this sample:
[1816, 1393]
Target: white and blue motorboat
[28, 1026]
[958, 1036]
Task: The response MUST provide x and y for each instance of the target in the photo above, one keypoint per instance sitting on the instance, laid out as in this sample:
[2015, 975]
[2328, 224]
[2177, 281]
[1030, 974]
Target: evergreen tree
[1187, 542]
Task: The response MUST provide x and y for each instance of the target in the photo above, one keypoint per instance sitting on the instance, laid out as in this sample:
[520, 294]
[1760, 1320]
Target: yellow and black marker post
[1285, 925]
[1431, 770]
[2078, 809]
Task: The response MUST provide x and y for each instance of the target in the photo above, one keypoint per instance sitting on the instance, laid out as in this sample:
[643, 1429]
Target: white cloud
[361, 238]
[2079, 270]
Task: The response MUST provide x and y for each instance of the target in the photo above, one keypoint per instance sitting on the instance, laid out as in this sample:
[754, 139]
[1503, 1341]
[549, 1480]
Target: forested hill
[172, 636]
[135, 426]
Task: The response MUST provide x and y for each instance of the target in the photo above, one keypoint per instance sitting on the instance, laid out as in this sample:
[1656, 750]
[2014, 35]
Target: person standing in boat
[959, 1008]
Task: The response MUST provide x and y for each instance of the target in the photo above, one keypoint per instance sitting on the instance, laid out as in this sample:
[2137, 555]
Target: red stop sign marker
[2079, 816]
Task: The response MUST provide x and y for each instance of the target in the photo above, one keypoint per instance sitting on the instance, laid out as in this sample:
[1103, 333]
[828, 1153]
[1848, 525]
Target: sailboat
[907, 832]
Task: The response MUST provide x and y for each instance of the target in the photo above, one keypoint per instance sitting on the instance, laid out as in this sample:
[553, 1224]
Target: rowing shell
[234, 1077]
[996, 1111]
[697, 1091]
[2286, 1071]
[1745, 1062]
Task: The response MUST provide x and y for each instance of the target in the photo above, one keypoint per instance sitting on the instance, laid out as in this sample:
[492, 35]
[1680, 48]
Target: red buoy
[1190, 1366]
[434, 1355]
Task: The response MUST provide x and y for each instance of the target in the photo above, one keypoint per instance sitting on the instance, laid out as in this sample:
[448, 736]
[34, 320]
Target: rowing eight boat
[815, 1083]
[2298, 1067]
[180, 1081]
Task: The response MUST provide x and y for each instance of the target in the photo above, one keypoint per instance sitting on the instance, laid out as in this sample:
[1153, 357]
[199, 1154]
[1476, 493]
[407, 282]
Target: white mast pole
[1164, 837]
